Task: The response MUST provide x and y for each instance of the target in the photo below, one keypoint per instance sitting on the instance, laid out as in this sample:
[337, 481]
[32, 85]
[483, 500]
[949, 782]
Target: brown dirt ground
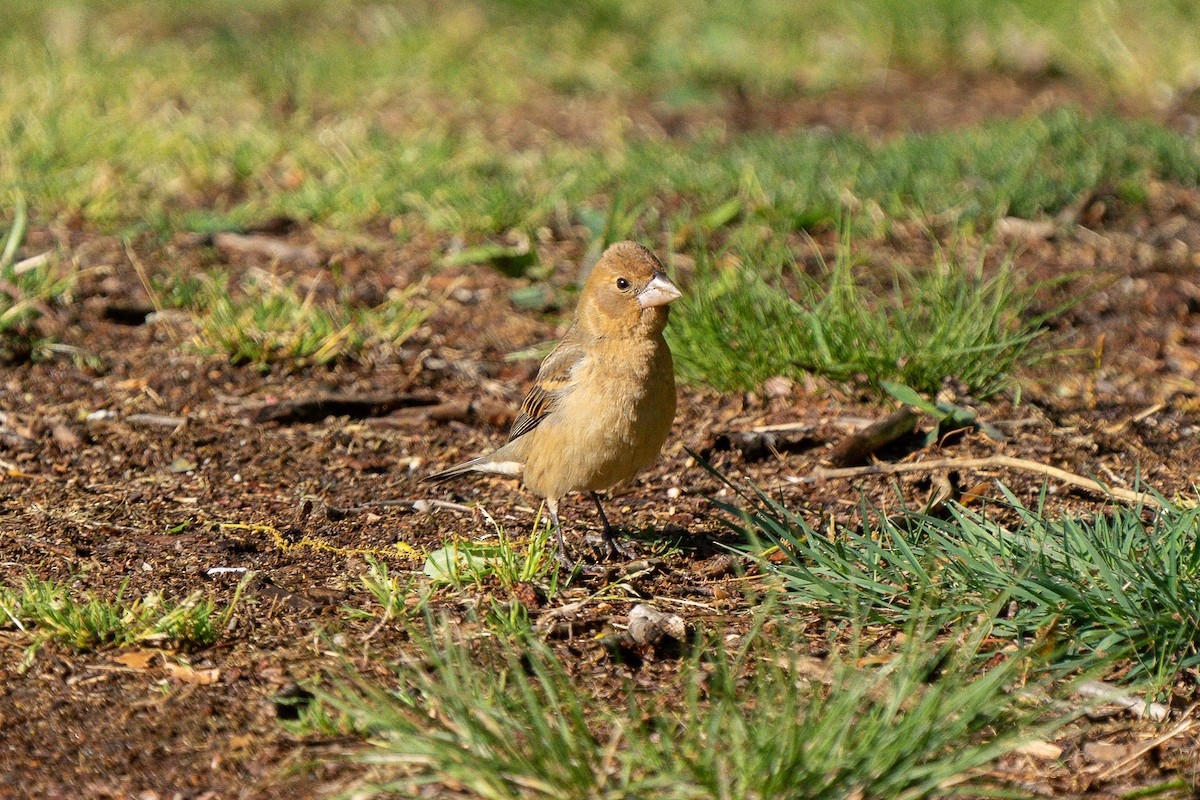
[98, 503]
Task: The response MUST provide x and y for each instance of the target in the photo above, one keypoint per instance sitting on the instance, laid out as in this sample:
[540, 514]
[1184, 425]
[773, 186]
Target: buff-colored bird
[604, 399]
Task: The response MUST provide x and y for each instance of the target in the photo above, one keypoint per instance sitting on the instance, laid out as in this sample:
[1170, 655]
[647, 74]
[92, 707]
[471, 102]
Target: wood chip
[241, 245]
[64, 437]
[1047, 751]
[136, 659]
[855, 448]
[1106, 752]
[32, 263]
[156, 421]
[1025, 229]
[717, 567]
[469, 411]
[187, 674]
[315, 409]
[777, 387]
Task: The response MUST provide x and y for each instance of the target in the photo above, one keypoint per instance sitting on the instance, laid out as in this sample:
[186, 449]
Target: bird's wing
[554, 380]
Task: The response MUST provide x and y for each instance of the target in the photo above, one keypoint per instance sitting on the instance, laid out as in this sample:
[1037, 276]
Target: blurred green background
[489, 115]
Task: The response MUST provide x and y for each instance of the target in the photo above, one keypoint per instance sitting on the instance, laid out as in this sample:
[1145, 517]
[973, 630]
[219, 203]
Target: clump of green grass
[390, 591]
[48, 611]
[1111, 585]
[318, 719]
[737, 328]
[266, 321]
[485, 563]
[28, 290]
[507, 720]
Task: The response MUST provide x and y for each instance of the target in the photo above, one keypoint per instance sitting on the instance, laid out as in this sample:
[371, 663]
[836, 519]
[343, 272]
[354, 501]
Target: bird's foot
[612, 548]
[572, 567]
[565, 562]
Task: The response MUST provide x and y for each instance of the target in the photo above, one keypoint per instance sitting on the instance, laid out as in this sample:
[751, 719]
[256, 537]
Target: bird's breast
[610, 426]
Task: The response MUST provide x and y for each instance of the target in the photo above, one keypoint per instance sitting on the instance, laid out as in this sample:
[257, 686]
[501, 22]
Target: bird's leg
[612, 547]
[563, 559]
[603, 517]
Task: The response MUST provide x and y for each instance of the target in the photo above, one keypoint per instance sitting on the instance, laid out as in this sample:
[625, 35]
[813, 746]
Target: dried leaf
[136, 659]
[1039, 749]
[187, 674]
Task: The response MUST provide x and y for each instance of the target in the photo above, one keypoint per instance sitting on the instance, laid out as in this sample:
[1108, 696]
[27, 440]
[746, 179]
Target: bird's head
[627, 292]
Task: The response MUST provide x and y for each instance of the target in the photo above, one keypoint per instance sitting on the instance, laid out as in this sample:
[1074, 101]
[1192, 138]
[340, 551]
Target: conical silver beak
[658, 292]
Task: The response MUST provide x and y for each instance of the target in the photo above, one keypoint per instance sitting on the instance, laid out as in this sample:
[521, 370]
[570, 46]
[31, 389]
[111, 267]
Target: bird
[602, 404]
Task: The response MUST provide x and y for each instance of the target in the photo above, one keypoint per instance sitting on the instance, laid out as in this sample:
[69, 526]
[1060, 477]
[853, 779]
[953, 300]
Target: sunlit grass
[45, 610]
[494, 50]
[145, 115]
[29, 288]
[504, 718]
[501, 561]
[738, 328]
[391, 592]
[1110, 584]
[265, 320]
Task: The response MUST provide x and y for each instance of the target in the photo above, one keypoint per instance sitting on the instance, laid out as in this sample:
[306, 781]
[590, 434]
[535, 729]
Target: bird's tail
[452, 472]
[481, 464]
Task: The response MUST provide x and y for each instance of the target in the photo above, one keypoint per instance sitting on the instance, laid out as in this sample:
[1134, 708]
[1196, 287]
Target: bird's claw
[565, 562]
[612, 548]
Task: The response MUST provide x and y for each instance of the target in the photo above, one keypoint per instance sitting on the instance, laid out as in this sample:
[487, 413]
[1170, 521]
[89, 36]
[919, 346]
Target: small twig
[658, 598]
[560, 622]
[555, 622]
[315, 409]
[335, 513]
[239, 245]
[428, 503]
[1113, 430]
[784, 427]
[157, 421]
[31, 263]
[13, 617]
[387, 615]
[144, 277]
[22, 304]
[847, 422]
[1179, 729]
[824, 671]
[91, 524]
[1128, 495]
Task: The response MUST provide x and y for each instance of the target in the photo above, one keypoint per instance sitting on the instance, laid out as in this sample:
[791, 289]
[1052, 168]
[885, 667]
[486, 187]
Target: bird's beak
[658, 292]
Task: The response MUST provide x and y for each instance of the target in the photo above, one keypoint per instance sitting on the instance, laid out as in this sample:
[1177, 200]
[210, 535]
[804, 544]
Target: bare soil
[104, 501]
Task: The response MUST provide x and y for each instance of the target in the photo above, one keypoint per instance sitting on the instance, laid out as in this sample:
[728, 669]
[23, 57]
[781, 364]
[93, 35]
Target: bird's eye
[622, 284]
